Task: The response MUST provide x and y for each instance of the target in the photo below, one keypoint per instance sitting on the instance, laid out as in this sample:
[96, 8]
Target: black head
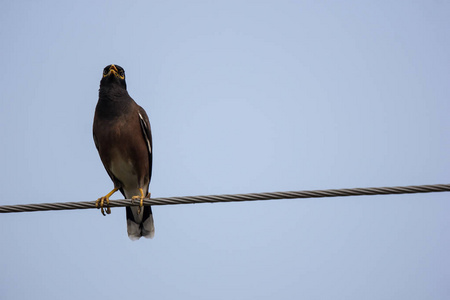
[112, 75]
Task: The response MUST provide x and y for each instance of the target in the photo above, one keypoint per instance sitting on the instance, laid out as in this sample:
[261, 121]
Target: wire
[234, 197]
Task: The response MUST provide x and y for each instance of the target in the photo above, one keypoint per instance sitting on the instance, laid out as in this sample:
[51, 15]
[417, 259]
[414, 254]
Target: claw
[101, 202]
[141, 200]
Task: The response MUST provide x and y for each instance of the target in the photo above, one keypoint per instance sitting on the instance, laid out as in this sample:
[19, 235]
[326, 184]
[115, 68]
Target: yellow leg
[141, 198]
[101, 201]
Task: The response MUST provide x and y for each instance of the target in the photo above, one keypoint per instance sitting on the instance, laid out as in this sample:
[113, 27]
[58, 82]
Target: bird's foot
[100, 203]
[141, 200]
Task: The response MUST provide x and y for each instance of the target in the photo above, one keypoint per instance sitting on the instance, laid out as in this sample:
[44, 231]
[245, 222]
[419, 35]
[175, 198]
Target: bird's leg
[100, 202]
[141, 198]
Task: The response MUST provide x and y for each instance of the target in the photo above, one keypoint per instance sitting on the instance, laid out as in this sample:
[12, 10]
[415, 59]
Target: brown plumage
[123, 139]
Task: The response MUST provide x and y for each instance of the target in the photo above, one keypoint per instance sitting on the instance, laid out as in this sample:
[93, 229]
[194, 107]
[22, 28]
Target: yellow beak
[113, 69]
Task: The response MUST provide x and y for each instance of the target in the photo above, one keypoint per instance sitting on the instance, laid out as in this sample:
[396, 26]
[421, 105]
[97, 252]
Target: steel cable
[233, 197]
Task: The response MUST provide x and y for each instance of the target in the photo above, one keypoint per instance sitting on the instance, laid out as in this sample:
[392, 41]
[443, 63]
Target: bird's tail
[140, 224]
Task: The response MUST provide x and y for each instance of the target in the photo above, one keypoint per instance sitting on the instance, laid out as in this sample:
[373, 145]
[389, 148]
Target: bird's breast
[123, 151]
[123, 168]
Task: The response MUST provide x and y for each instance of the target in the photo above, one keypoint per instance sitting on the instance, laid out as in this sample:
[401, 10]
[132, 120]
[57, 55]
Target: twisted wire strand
[233, 197]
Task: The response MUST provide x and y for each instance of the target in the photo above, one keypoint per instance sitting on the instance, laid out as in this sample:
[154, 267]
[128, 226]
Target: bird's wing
[95, 140]
[147, 133]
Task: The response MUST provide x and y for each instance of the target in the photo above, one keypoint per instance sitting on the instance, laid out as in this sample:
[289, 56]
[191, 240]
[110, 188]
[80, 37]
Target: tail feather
[140, 224]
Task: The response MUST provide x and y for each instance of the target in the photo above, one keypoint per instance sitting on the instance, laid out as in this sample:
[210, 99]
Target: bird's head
[113, 74]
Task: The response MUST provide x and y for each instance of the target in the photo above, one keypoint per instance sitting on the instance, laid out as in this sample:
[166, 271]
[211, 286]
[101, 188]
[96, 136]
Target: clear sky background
[243, 97]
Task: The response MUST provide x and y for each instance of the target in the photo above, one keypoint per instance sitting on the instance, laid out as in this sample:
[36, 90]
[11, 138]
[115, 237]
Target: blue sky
[243, 97]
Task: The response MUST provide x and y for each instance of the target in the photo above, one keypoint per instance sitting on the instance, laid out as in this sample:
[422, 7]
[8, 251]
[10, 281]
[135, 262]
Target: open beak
[112, 70]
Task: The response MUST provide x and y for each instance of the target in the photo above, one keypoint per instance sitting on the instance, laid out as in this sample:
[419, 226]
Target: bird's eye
[121, 73]
[105, 71]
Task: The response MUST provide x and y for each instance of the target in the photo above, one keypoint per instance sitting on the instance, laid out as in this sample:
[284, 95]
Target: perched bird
[123, 139]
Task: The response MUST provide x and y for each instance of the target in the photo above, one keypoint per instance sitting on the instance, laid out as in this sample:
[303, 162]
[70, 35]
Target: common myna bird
[123, 139]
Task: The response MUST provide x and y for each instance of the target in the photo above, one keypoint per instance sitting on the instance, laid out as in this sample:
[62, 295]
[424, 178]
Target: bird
[123, 138]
